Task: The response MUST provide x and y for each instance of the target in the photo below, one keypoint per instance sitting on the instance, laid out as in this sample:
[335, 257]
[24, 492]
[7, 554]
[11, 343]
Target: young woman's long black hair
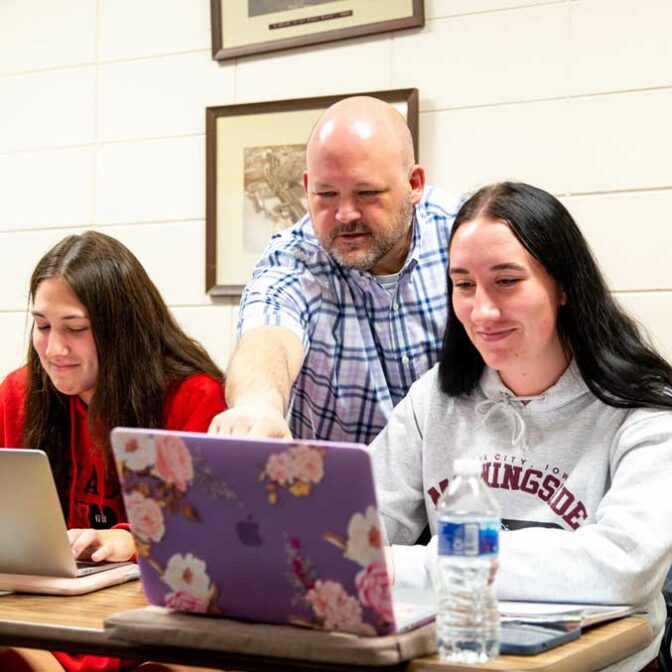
[618, 365]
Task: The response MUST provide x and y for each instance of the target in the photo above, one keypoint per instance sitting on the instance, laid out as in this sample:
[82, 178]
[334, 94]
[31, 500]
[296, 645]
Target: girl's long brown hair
[141, 349]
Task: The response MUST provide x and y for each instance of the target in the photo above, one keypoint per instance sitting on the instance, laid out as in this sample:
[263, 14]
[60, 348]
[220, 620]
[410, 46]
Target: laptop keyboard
[86, 567]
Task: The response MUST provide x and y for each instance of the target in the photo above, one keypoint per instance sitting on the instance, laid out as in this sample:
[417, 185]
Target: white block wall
[102, 126]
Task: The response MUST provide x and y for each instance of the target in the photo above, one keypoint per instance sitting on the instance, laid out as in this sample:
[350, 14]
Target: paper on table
[588, 614]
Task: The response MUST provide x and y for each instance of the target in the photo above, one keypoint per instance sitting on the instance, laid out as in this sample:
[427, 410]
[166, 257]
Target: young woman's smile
[508, 304]
[63, 339]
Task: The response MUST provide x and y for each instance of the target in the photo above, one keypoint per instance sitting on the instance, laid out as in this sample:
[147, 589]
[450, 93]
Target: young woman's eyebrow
[507, 266]
[36, 313]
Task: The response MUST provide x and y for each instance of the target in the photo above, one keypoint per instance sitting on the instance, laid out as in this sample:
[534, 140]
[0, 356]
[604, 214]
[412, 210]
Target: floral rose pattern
[173, 461]
[331, 605]
[363, 545]
[167, 459]
[373, 587]
[334, 607]
[308, 463]
[280, 468]
[364, 538]
[187, 576]
[182, 601]
[301, 573]
[157, 470]
[138, 453]
[298, 469]
[146, 515]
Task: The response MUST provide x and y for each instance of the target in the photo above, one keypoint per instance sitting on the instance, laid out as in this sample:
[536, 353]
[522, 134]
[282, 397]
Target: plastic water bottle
[469, 521]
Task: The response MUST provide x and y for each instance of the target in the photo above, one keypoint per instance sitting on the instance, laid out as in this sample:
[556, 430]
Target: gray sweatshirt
[585, 490]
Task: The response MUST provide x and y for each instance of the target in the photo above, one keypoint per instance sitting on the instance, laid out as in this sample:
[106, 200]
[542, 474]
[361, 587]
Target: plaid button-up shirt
[365, 345]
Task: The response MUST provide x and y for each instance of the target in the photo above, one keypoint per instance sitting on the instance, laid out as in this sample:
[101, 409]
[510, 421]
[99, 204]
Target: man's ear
[305, 180]
[416, 179]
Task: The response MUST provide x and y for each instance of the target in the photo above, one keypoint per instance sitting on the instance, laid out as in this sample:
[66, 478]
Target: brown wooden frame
[407, 96]
[221, 52]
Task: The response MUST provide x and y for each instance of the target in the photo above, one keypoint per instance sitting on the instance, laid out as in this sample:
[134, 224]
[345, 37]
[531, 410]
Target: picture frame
[244, 27]
[245, 144]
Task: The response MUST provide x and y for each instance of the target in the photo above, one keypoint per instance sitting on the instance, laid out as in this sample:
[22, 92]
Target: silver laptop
[32, 527]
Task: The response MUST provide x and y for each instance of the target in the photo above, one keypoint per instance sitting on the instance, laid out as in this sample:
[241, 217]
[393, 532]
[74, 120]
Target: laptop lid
[32, 528]
[262, 530]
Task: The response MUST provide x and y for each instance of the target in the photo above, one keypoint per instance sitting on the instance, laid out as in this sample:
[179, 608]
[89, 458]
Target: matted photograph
[255, 165]
[247, 27]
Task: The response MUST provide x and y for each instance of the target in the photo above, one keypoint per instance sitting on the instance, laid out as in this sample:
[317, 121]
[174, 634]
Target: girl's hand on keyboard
[98, 545]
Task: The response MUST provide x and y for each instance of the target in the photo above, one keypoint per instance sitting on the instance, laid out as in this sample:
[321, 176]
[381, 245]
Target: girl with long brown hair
[105, 351]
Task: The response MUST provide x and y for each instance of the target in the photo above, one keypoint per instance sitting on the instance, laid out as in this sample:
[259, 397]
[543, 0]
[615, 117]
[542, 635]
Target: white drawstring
[505, 402]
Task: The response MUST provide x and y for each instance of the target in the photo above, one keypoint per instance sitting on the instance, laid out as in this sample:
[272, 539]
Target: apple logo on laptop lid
[248, 532]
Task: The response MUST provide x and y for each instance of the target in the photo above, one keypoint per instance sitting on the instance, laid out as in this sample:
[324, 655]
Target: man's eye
[462, 285]
[507, 282]
[326, 194]
[42, 327]
[369, 193]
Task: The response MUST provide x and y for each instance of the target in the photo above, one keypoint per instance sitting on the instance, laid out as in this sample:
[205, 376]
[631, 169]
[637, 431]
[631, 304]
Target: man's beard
[381, 243]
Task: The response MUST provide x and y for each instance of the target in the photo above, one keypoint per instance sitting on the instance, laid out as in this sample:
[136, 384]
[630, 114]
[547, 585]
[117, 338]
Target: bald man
[347, 308]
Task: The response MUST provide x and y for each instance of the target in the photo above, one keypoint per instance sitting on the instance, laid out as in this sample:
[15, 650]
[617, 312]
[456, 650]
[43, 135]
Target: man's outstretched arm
[259, 381]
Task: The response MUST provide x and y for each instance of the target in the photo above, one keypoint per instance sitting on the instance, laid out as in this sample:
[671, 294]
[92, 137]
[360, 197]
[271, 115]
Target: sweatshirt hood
[500, 399]
[570, 386]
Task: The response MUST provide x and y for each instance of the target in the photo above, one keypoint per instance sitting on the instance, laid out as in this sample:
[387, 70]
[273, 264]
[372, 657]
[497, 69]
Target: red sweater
[95, 501]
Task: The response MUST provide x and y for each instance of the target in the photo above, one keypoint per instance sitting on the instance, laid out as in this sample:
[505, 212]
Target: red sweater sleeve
[191, 404]
[12, 411]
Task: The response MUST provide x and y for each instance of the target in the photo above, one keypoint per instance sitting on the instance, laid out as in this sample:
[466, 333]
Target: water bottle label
[469, 539]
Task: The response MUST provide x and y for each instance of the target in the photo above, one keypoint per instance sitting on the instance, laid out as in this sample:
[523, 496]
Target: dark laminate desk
[76, 624]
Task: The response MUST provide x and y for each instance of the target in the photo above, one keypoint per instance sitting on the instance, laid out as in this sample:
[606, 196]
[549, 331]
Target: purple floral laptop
[271, 531]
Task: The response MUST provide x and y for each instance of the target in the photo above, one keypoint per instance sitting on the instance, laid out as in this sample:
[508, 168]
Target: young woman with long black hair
[547, 381]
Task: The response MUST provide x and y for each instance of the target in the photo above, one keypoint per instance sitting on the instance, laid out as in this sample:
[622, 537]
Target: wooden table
[597, 648]
[66, 623]
[76, 624]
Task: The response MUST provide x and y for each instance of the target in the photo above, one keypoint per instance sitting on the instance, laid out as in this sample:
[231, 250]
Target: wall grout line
[433, 110]
[499, 10]
[105, 225]
[197, 220]
[606, 192]
[105, 143]
[222, 302]
[98, 61]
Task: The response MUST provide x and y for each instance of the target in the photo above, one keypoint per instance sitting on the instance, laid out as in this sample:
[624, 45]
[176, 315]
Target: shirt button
[395, 306]
[405, 359]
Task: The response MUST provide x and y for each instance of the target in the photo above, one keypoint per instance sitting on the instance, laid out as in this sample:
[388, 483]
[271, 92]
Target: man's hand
[254, 421]
[99, 545]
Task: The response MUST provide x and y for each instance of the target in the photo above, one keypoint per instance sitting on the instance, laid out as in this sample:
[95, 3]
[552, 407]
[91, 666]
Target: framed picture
[243, 27]
[255, 158]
